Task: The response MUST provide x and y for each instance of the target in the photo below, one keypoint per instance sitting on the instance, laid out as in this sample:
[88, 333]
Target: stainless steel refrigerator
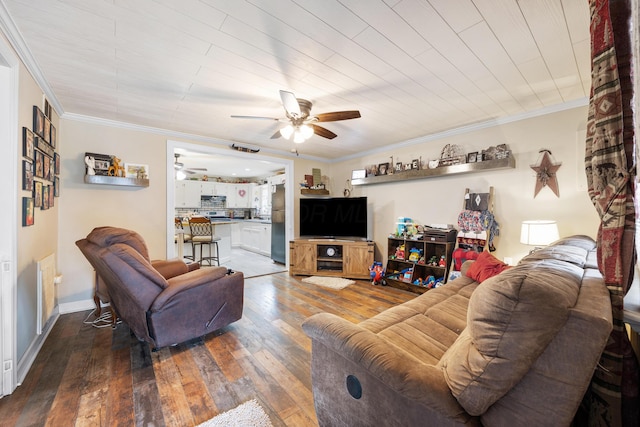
[278, 243]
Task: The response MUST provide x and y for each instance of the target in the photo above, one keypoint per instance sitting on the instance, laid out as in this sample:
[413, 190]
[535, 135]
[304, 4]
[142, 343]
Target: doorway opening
[246, 159]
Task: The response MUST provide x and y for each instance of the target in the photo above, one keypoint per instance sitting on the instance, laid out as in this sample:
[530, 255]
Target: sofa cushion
[485, 267]
[510, 320]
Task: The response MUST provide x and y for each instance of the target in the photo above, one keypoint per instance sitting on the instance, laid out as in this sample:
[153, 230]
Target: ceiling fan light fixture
[298, 137]
[286, 131]
[180, 175]
[306, 131]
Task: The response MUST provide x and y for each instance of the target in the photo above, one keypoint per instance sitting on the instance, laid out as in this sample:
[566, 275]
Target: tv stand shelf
[330, 257]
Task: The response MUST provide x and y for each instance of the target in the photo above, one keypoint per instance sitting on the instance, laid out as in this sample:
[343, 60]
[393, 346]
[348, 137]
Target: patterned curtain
[610, 168]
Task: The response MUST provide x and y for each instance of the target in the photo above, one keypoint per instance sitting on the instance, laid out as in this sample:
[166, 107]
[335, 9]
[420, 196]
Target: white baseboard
[76, 306]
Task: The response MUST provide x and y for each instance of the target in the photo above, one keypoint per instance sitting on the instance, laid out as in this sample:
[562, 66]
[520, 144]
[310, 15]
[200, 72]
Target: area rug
[249, 414]
[329, 282]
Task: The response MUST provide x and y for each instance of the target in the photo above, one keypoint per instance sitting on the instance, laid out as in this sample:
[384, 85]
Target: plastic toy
[442, 262]
[433, 261]
[414, 254]
[400, 252]
[376, 272]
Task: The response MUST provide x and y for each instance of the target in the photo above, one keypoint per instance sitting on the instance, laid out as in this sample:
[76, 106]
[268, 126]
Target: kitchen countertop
[215, 221]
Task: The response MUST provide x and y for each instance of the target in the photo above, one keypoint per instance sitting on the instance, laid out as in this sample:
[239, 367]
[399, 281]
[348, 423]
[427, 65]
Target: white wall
[439, 200]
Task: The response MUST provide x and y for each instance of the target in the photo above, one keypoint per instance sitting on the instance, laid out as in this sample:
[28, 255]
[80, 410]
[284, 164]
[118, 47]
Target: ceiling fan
[301, 123]
[179, 166]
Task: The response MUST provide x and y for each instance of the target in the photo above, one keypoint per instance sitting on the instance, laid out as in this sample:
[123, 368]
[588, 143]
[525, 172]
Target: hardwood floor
[105, 377]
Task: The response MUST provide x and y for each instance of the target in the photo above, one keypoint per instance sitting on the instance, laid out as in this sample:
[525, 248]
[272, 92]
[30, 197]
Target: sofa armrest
[186, 281]
[169, 268]
[418, 381]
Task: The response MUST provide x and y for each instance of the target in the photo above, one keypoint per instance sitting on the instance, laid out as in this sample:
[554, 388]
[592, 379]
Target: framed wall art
[27, 211]
[52, 136]
[51, 195]
[56, 186]
[45, 197]
[46, 168]
[27, 143]
[39, 172]
[56, 163]
[38, 121]
[27, 175]
[37, 194]
[47, 130]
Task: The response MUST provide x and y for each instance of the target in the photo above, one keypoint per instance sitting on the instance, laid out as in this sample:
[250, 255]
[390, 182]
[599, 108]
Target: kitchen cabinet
[256, 237]
[208, 188]
[187, 194]
[239, 196]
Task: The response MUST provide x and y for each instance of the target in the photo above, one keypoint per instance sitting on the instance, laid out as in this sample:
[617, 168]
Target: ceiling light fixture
[180, 175]
[300, 133]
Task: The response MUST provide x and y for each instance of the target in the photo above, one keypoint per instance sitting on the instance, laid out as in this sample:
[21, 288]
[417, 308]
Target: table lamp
[538, 233]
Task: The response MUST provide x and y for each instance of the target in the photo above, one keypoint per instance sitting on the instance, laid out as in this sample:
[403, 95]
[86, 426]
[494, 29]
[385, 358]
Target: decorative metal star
[546, 173]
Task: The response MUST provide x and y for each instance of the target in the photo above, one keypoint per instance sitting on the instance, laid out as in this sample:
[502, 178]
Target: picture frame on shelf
[135, 170]
[27, 211]
[472, 157]
[37, 194]
[38, 121]
[358, 174]
[27, 143]
[415, 164]
[383, 168]
[27, 175]
[399, 167]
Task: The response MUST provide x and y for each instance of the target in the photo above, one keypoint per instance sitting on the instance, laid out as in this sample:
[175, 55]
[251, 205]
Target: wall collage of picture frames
[40, 164]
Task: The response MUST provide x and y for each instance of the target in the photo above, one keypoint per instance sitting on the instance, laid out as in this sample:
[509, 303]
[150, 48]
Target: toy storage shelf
[487, 165]
[402, 272]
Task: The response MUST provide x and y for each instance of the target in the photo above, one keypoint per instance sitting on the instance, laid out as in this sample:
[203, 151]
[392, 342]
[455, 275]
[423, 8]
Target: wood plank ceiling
[412, 67]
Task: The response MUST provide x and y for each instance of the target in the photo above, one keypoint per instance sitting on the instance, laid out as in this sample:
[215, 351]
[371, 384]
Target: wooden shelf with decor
[314, 192]
[331, 257]
[462, 168]
[115, 180]
[402, 271]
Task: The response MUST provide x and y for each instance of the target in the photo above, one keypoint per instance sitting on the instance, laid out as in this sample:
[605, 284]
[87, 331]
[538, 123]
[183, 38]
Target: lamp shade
[538, 233]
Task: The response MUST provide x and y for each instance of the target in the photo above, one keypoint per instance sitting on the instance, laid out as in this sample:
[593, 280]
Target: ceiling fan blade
[338, 115]
[325, 133]
[276, 135]
[255, 117]
[290, 103]
[188, 171]
[197, 169]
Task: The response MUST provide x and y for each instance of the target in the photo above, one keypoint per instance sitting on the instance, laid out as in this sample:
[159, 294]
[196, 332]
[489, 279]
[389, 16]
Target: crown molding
[16, 40]
[580, 102]
[181, 135]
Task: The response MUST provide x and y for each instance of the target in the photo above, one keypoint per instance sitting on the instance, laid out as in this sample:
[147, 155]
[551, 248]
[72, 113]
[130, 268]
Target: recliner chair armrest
[189, 280]
[421, 382]
[169, 268]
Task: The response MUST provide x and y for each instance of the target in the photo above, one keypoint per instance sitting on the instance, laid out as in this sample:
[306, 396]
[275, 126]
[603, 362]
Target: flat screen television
[334, 218]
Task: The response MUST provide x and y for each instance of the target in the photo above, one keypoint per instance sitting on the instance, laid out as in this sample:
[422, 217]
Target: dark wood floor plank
[89, 376]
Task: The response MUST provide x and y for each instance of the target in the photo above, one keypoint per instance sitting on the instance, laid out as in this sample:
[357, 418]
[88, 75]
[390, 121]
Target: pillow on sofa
[485, 267]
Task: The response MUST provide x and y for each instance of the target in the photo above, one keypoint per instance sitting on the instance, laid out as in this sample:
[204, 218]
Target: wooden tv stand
[331, 257]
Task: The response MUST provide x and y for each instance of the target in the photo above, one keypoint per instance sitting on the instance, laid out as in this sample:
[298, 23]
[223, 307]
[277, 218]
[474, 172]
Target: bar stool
[202, 235]
[186, 238]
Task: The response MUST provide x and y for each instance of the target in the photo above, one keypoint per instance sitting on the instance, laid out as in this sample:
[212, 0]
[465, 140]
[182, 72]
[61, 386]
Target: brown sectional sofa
[519, 348]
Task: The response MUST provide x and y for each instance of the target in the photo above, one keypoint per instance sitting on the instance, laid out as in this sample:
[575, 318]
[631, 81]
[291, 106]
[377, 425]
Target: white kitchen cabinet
[209, 188]
[239, 196]
[187, 194]
[256, 237]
